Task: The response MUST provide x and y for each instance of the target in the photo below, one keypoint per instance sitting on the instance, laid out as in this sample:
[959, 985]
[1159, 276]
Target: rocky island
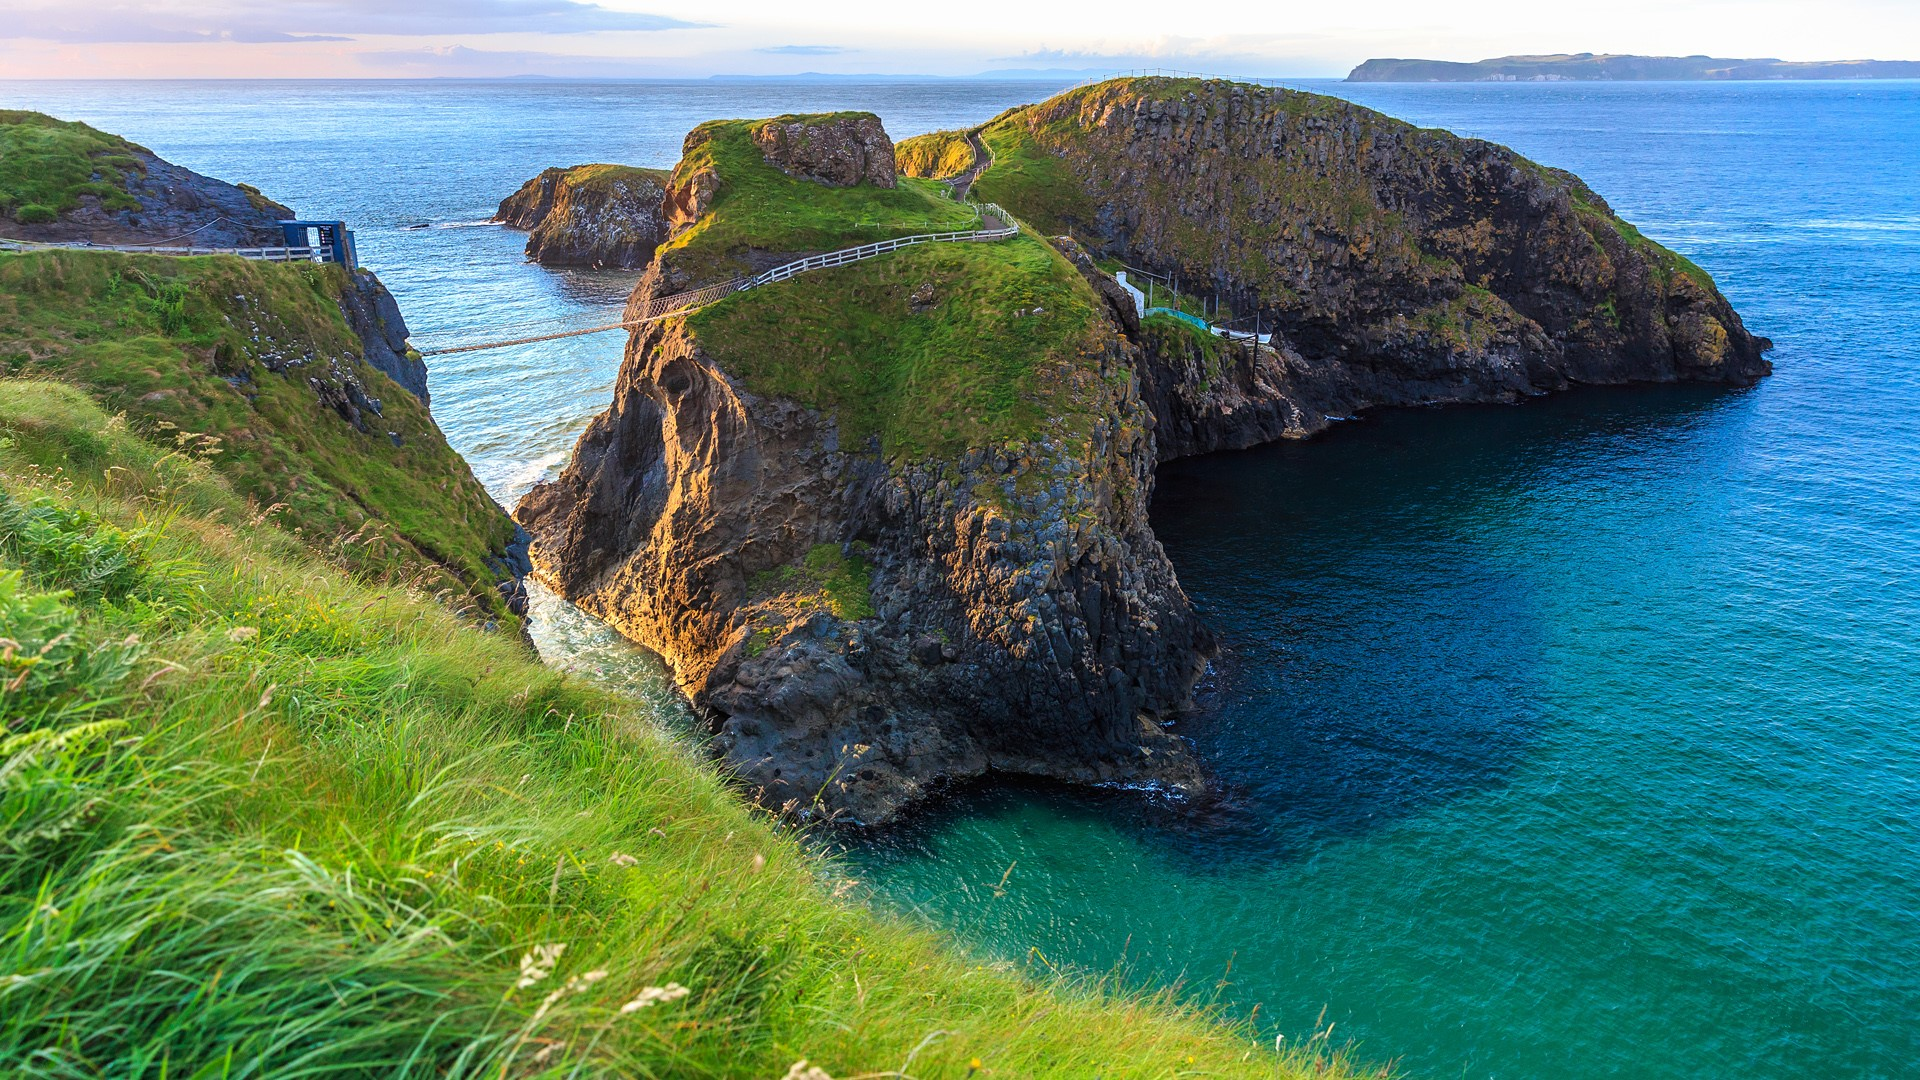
[590, 215]
[887, 522]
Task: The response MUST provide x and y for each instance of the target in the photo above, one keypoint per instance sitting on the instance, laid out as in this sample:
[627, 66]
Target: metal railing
[258, 254]
[881, 247]
[660, 307]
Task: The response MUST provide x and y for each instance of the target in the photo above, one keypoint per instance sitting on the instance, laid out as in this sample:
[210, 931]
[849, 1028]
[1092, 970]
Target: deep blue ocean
[1574, 739]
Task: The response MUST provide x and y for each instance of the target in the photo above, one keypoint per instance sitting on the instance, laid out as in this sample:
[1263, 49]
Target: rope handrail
[660, 307]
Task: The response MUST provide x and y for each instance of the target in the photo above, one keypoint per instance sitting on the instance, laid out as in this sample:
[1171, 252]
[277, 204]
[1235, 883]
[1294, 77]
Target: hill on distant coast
[1587, 67]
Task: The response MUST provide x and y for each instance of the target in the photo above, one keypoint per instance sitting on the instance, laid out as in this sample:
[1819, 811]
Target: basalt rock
[841, 150]
[590, 215]
[374, 315]
[1023, 617]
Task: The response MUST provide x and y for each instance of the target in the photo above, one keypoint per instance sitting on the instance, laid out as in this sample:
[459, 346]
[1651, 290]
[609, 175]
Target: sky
[646, 39]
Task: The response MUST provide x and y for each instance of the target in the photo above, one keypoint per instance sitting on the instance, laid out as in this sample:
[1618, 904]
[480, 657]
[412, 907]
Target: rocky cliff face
[860, 626]
[374, 316]
[590, 215]
[1012, 610]
[1398, 265]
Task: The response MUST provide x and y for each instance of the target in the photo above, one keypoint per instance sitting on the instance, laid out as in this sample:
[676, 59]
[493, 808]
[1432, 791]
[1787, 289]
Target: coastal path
[982, 160]
[995, 224]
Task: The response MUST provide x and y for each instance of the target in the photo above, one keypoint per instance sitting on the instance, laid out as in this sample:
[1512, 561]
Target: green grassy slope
[935, 155]
[260, 820]
[46, 165]
[933, 349]
[183, 347]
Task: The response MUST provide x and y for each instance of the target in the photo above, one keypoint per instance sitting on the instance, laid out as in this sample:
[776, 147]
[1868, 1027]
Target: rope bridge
[996, 224]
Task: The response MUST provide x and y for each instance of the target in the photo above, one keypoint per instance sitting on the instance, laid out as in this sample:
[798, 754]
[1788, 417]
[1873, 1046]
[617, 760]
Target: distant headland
[1601, 67]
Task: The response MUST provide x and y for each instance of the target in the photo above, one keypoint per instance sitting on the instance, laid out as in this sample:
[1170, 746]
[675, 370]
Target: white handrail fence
[258, 254]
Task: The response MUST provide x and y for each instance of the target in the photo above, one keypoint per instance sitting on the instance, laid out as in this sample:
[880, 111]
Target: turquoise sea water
[1574, 739]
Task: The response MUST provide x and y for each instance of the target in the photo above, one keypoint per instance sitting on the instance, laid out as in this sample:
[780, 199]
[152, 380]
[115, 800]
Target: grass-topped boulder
[260, 819]
[953, 426]
[590, 215]
[63, 180]
[838, 150]
[736, 211]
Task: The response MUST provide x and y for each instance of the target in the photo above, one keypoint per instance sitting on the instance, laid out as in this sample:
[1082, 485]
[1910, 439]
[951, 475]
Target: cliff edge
[294, 380]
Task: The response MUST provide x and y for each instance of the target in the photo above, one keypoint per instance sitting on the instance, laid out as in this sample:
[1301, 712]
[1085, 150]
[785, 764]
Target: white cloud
[320, 20]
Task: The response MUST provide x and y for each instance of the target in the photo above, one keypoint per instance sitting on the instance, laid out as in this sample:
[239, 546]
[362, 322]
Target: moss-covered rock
[937, 155]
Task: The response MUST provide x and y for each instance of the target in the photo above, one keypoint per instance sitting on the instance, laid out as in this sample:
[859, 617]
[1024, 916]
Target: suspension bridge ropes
[995, 224]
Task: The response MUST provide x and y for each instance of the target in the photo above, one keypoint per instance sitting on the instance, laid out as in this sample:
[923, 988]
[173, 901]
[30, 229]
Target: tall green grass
[214, 355]
[259, 820]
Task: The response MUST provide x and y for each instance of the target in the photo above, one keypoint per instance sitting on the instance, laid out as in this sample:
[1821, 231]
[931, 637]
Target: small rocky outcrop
[840, 150]
[590, 215]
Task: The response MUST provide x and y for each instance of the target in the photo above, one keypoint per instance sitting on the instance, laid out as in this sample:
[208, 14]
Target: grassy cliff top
[262, 819]
[46, 165]
[214, 355]
[756, 207]
[1031, 174]
[932, 349]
